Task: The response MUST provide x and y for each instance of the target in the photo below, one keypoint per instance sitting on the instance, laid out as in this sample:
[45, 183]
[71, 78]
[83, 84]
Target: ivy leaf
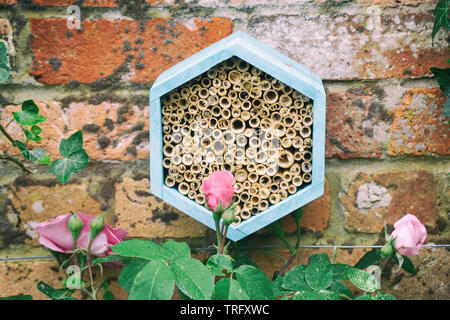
[29, 116]
[35, 155]
[75, 157]
[441, 18]
[33, 134]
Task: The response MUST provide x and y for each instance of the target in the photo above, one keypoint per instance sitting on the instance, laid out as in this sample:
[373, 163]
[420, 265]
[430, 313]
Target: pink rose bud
[409, 235]
[57, 236]
[219, 187]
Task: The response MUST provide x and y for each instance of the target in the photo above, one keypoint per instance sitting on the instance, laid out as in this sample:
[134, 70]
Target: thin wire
[426, 246]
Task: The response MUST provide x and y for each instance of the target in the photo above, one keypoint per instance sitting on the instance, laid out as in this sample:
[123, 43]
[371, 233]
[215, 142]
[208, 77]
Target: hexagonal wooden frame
[271, 62]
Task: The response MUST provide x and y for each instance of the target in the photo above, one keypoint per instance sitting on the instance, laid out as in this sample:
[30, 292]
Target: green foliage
[229, 289]
[75, 157]
[363, 280]
[370, 258]
[55, 294]
[36, 155]
[4, 65]
[18, 297]
[319, 273]
[254, 282]
[155, 281]
[441, 17]
[193, 278]
[219, 262]
[443, 78]
[29, 116]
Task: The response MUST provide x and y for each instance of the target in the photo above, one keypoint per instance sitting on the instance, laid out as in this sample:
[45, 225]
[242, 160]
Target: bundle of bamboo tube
[235, 117]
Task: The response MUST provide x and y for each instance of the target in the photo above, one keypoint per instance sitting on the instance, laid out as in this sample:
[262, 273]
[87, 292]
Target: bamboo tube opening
[246, 105]
[213, 100]
[264, 193]
[265, 123]
[276, 117]
[284, 185]
[307, 156]
[270, 96]
[233, 95]
[305, 132]
[274, 198]
[287, 176]
[297, 181]
[229, 137]
[246, 184]
[307, 142]
[252, 177]
[255, 93]
[170, 181]
[298, 104]
[218, 147]
[174, 96]
[193, 99]
[303, 112]
[216, 82]
[285, 100]
[237, 127]
[234, 77]
[221, 91]
[253, 191]
[226, 113]
[183, 188]
[255, 71]
[307, 177]
[203, 93]
[245, 196]
[254, 200]
[255, 80]
[263, 205]
[179, 178]
[188, 176]
[242, 66]
[237, 220]
[295, 169]
[261, 169]
[237, 88]
[211, 73]
[264, 113]
[307, 120]
[265, 85]
[238, 188]
[192, 194]
[286, 142]
[205, 82]
[286, 159]
[288, 121]
[265, 181]
[173, 170]
[245, 215]
[167, 139]
[167, 162]
[254, 142]
[306, 167]
[240, 175]
[244, 95]
[277, 85]
[246, 76]
[297, 142]
[168, 150]
[206, 142]
[200, 199]
[226, 84]
[206, 115]
[196, 168]
[287, 89]
[202, 104]
[224, 102]
[251, 153]
[216, 134]
[283, 194]
[223, 124]
[274, 187]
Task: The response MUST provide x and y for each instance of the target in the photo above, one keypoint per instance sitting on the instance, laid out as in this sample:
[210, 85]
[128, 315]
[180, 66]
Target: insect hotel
[241, 106]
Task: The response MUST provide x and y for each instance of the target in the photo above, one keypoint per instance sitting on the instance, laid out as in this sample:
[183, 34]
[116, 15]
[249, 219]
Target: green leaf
[242, 258]
[341, 289]
[363, 280]
[370, 258]
[406, 265]
[277, 287]
[63, 168]
[179, 249]
[318, 273]
[446, 107]
[72, 144]
[309, 295]
[130, 271]
[295, 279]
[144, 249]
[155, 281]
[3, 53]
[193, 278]
[229, 289]
[384, 296]
[29, 115]
[31, 136]
[18, 297]
[108, 295]
[4, 73]
[443, 78]
[52, 293]
[45, 160]
[254, 282]
[365, 296]
[35, 155]
[218, 262]
[441, 18]
[340, 271]
[111, 258]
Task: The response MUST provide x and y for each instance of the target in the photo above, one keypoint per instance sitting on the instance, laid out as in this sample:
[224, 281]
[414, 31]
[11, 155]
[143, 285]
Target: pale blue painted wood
[269, 61]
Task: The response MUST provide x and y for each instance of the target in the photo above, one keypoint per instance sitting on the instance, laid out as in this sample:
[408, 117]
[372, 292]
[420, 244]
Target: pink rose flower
[56, 236]
[219, 187]
[409, 235]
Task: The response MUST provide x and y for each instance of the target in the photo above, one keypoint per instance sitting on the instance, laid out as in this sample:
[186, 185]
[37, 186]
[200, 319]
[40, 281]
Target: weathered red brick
[117, 50]
[87, 3]
[113, 131]
[10, 2]
[372, 199]
[357, 125]
[419, 127]
[361, 45]
[315, 214]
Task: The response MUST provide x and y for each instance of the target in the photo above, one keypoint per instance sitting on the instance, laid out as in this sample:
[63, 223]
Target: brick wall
[387, 143]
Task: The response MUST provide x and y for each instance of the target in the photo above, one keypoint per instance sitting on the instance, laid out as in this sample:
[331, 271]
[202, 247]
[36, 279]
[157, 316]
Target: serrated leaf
[363, 280]
[295, 279]
[319, 273]
[144, 249]
[441, 18]
[129, 272]
[193, 278]
[179, 249]
[229, 289]
[29, 115]
[34, 155]
[64, 168]
[155, 281]
[370, 258]
[219, 262]
[254, 282]
[52, 293]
